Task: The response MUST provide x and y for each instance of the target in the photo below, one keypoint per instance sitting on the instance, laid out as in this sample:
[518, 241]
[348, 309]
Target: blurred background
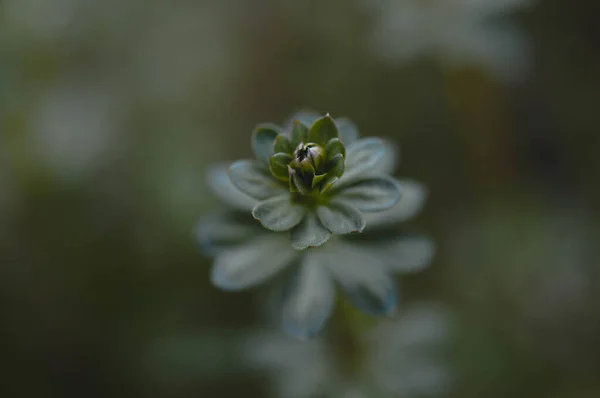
[111, 111]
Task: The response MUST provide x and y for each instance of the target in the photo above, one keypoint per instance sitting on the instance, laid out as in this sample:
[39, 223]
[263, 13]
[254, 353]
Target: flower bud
[310, 154]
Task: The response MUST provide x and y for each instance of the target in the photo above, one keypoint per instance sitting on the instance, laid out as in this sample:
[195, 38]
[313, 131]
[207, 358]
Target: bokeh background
[111, 111]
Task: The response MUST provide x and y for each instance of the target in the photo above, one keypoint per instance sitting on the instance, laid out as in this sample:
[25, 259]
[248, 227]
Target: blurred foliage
[111, 112]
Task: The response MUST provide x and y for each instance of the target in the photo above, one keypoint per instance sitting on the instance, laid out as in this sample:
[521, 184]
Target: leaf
[348, 130]
[329, 184]
[409, 205]
[263, 140]
[309, 233]
[370, 194]
[283, 144]
[279, 213]
[251, 263]
[252, 179]
[223, 231]
[317, 179]
[278, 164]
[362, 157]
[309, 299]
[307, 117]
[365, 281]
[299, 134]
[219, 181]
[407, 253]
[336, 166]
[341, 218]
[323, 130]
[301, 185]
[334, 147]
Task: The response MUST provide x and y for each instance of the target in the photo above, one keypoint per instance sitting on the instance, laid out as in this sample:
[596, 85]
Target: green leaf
[341, 218]
[335, 167]
[301, 185]
[329, 183]
[363, 156]
[323, 130]
[278, 164]
[292, 184]
[334, 147]
[348, 130]
[309, 233]
[307, 117]
[370, 194]
[251, 178]
[263, 140]
[279, 213]
[317, 179]
[283, 144]
[299, 133]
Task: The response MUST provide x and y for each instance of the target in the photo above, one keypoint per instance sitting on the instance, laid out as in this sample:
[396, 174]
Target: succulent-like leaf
[323, 130]
[364, 279]
[301, 185]
[341, 218]
[279, 213]
[409, 205]
[308, 301]
[278, 164]
[407, 253]
[328, 184]
[363, 156]
[251, 263]
[370, 194]
[252, 179]
[299, 133]
[334, 147]
[283, 144]
[219, 181]
[317, 179]
[306, 116]
[263, 140]
[309, 233]
[223, 231]
[336, 166]
[348, 130]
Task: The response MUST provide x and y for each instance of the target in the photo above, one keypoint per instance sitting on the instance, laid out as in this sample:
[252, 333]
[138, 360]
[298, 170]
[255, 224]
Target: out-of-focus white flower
[456, 31]
[74, 128]
[400, 358]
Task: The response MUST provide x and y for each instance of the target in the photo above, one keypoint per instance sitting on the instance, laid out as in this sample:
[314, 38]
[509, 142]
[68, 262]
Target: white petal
[253, 262]
[309, 300]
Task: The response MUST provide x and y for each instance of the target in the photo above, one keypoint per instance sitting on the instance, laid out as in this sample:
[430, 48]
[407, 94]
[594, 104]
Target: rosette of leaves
[314, 178]
[361, 265]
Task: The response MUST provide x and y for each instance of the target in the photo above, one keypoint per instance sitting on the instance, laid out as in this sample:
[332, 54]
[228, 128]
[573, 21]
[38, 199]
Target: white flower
[457, 31]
